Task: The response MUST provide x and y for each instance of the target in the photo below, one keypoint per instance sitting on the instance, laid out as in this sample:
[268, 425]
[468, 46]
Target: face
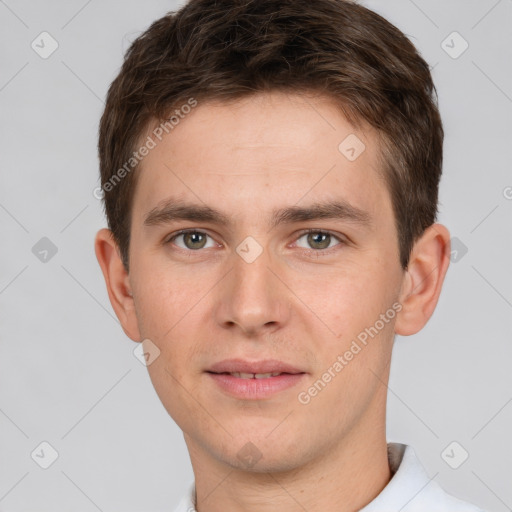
[249, 282]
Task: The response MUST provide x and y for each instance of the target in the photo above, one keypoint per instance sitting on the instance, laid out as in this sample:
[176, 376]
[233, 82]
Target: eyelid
[340, 239]
[172, 236]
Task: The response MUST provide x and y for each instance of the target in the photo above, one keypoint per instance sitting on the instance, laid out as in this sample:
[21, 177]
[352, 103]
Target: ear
[117, 281]
[423, 279]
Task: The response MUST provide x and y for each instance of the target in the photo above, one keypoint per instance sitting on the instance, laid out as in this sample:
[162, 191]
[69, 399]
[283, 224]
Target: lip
[243, 366]
[255, 389]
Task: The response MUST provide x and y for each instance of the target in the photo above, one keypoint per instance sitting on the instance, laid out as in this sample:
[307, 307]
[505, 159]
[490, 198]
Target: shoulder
[412, 490]
[436, 498]
[187, 502]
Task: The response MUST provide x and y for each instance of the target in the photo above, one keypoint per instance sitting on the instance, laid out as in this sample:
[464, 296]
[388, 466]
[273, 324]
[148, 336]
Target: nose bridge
[251, 271]
[251, 296]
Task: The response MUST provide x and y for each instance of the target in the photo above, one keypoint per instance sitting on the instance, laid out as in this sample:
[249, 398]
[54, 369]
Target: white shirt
[409, 490]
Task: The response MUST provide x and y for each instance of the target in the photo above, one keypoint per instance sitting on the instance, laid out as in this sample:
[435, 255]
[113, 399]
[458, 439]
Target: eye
[192, 239]
[319, 240]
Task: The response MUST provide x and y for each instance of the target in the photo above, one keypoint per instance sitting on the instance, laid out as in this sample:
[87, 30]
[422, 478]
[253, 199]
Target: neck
[344, 479]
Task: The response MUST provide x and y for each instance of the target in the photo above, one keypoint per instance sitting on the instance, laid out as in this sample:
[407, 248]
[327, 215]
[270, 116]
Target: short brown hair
[228, 49]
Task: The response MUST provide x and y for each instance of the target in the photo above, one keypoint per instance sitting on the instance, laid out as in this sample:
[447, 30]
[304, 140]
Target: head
[249, 123]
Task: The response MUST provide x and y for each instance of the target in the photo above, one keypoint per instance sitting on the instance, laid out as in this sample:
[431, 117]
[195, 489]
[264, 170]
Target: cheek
[171, 312]
[350, 302]
[342, 297]
[167, 298]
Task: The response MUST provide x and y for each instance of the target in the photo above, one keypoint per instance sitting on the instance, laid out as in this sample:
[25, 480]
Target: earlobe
[117, 282]
[423, 279]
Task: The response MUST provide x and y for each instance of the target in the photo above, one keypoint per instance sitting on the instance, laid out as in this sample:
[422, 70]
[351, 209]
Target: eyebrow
[170, 210]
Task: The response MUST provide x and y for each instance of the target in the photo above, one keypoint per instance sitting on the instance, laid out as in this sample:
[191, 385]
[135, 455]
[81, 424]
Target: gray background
[68, 375]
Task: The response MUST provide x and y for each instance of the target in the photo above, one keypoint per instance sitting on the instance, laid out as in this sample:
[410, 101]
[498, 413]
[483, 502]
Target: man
[270, 173]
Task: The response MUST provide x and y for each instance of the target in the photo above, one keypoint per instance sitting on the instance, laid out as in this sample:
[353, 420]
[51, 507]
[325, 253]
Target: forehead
[266, 150]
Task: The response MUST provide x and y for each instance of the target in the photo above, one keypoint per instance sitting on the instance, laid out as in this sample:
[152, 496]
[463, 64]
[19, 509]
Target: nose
[252, 297]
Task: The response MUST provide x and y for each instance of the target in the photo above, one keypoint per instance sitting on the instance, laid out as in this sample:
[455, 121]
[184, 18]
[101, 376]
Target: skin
[201, 306]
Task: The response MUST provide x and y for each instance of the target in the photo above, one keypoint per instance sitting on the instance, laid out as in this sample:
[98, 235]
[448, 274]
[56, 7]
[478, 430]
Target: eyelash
[317, 252]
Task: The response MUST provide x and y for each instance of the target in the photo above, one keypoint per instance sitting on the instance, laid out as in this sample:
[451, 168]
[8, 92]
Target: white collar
[409, 490]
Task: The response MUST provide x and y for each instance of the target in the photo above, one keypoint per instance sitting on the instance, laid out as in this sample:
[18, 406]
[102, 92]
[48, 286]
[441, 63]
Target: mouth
[242, 375]
[255, 386]
[253, 369]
